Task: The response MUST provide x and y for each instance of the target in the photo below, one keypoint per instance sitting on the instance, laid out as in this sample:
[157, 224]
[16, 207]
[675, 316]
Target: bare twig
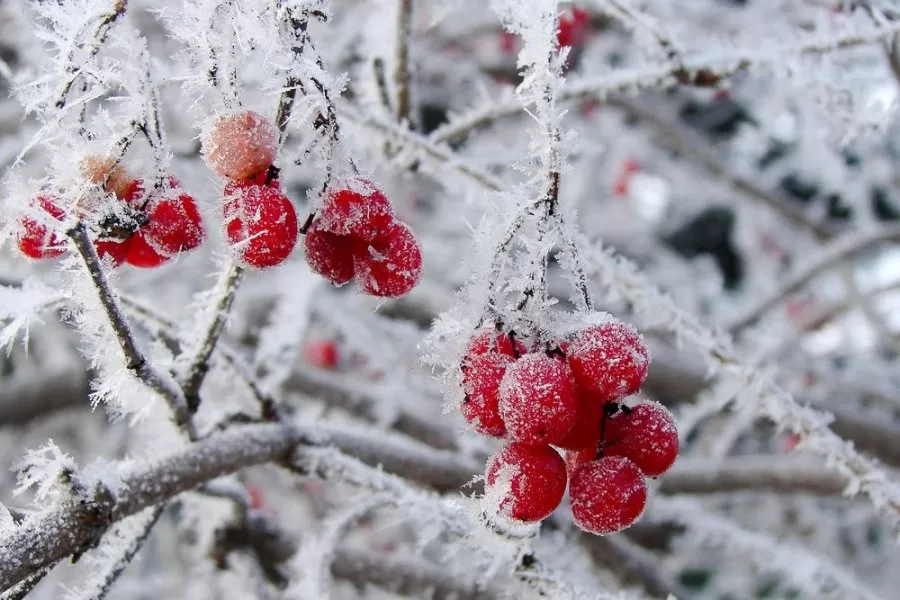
[199, 364]
[786, 474]
[129, 551]
[831, 255]
[134, 358]
[401, 65]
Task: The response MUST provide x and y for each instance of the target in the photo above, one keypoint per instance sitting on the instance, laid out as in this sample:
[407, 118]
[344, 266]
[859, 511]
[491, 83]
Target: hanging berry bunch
[568, 395]
[356, 235]
[259, 220]
[144, 228]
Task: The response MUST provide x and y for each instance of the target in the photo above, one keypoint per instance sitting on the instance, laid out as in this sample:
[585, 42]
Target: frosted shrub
[397, 298]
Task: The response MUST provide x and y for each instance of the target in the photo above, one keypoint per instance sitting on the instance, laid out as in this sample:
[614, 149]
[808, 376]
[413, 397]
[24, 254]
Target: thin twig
[199, 365]
[134, 358]
[401, 65]
[129, 551]
[831, 255]
[381, 83]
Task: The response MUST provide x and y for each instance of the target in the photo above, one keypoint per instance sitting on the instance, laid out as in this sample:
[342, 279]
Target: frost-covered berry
[646, 434]
[240, 145]
[538, 401]
[573, 27]
[481, 381]
[174, 224]
[609, 360]
[34, 239]
[116, 250]
[536, 476]
[331, 256]
[577, 457]
[390, 265]
[587, 426]
[261, 226]
[356, 207]
[100, 169]
[607, 495]
[321, 353]
[491, 340]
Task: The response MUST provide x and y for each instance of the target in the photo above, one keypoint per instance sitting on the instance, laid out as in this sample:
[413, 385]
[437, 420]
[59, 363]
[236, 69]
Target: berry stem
[200, 362]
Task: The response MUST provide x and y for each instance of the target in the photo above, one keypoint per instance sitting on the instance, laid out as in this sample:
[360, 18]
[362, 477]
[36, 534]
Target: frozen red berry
[116, 250]
[538, 401]
[234, 186]
[534, 478]
[573, 27]
[174, 224]
[481, 381]
[35, 239]
[331, 256]
[391, 264]
[491, 340]
[607, 495]
[646, 434]
[261, 225]
[240, 145]
[577, 457]
[356, 207]
[321, 353]
[587, 426]
[609, 360]
[140, 253]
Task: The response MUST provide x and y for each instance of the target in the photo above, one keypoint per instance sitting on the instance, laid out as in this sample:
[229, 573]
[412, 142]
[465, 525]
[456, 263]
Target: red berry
[607, 495]
[645, 434]
[538, 400]
[587, 426]
[573, 27]
[609, 360]
[481, 381]
[117, 250]
[234, 186]
[358, 208]
[240, 145]
[576, 458]
[141, 254]
[174, 224]
[490, 340]
[321, 353]
[34, 239]
[391, 265]
[331, 256]
[261, 225]
[536, 476]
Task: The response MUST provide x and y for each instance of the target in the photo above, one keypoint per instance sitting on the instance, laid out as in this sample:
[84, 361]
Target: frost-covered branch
[46, 537]
[407, 576]
[135, 361]
[199, 363]
[831, 255]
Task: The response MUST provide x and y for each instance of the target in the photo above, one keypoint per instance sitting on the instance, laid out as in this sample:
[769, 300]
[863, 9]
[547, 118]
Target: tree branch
[59, 531]
[134, 359]
[401, 65]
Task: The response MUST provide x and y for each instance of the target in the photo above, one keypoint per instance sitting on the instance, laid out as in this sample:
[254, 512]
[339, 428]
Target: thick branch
[60, 531]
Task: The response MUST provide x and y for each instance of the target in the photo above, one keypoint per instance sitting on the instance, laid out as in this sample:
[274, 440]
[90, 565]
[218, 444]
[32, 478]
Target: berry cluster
[260, 221]
[147, 229]
[356, 235]
[568, 396]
